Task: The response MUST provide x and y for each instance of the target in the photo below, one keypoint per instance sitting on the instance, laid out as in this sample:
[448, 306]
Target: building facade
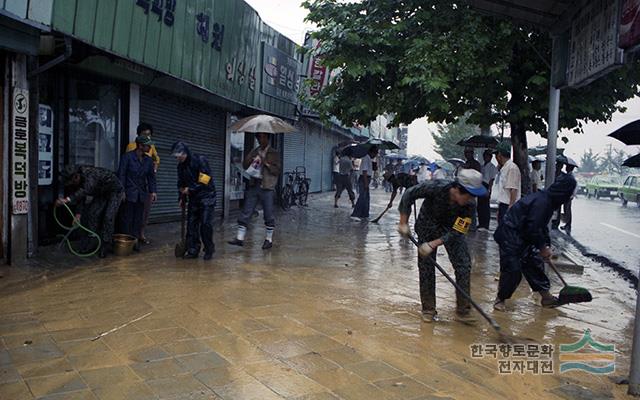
[79, 76]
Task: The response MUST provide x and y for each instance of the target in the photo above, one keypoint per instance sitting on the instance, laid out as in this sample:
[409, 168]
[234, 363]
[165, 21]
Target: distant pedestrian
[509, 184]
[568, 215]
[265, 166]
[524, 241]
[336, 169]
[136, 173]
[96, 194]
[196, 187]
[470, 160]
[444, 219]
[145, 129]
[489, 172]
[423, 173]
[361, 209]
[401, 180]
[535, 177]
[343, 180]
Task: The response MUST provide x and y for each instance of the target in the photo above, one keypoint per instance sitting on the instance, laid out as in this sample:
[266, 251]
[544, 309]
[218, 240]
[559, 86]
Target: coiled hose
[70, 229]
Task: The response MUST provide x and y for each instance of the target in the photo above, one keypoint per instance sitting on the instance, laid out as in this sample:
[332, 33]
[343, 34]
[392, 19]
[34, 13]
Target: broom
[570, 294]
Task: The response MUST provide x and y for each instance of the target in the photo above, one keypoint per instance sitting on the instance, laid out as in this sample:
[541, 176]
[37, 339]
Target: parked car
[582, 184]
[603, 186]
[630, 190]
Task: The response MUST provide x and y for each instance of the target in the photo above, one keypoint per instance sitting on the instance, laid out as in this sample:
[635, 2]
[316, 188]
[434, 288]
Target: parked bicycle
[295, 189]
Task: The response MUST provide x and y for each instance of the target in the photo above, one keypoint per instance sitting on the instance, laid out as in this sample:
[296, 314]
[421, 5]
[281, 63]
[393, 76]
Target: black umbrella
[633, 162]
[628, 134]
[355, 151]
[479, 141]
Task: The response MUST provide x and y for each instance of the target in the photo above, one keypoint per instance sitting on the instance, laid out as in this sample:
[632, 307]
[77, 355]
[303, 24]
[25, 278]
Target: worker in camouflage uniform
[96, 194]
[444, 219]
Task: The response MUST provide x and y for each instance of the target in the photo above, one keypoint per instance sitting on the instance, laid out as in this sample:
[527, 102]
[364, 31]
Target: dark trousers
[484, 211]
[254, 196]
[132, 218]
[517, 261]
[459, 257]
[344, 182]
[502, 211]
[100, 215]
[200, 227]
[567, 215]
[361, 210]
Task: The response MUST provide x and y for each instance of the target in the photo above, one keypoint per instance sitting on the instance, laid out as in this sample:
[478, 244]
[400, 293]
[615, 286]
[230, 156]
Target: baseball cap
[503, 148]
[471, 180]
[145, 140]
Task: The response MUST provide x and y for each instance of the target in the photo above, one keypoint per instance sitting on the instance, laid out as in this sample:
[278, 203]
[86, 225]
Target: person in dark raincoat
[524, 241]
[137, 175]
[96, 194]
[444, 219]
[196, 185]
[398, 181]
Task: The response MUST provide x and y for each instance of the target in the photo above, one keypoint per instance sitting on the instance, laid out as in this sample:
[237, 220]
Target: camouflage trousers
[100, 215]
[461, 261]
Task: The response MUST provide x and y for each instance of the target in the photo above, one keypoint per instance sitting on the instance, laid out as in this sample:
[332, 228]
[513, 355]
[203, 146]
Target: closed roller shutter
[200, 126]
[313, 158]
[293, 150]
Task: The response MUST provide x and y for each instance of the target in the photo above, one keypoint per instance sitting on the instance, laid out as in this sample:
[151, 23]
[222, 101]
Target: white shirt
[423, 174]
[535, 179]
[509, 179]
[336, 164]
[439, 174]
[489, 172]
[366, 165]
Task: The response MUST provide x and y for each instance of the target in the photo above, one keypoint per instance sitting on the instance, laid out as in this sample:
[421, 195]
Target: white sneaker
[483, 230]
[355, 219]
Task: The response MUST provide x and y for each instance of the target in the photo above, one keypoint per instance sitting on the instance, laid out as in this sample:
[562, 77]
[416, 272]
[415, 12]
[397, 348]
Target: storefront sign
[317, 72]
[630, 24]
[280, 74]
[593, 47]
[158, 7]
[20, 154]
[202, 30]
[45, 146]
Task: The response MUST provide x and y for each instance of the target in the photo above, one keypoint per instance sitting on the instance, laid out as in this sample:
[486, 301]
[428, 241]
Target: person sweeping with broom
[444, 219]
[524, 243]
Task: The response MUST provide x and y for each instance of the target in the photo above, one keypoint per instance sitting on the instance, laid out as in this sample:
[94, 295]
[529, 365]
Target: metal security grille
[313, 157]
[200, 126]
[293, 150]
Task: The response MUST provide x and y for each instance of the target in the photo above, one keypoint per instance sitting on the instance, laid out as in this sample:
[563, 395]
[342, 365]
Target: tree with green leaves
[589, 162]
[441, 59]
[447, 137]
[611, 161]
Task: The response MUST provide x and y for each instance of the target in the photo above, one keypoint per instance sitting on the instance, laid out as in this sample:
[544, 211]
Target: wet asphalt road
[608, 229]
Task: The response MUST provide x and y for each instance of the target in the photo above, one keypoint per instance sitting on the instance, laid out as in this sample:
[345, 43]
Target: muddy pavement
[331, 312]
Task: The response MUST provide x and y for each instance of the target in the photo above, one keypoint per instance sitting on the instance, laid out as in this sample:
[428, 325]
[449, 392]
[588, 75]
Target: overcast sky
[288, 17]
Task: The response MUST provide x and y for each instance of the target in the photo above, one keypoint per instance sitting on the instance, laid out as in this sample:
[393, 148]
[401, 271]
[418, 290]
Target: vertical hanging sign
[19, 151]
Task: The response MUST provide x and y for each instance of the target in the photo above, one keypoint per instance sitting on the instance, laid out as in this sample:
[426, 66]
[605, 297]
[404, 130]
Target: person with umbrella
[444, 219]
[489, 173]
[361, 209]
[524, 241]
[264, 166]
[197, 187]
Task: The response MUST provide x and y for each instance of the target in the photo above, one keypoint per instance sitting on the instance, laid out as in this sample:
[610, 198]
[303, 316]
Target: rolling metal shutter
[330, 142]
[293, 150]
[200, 126]
[313, 157]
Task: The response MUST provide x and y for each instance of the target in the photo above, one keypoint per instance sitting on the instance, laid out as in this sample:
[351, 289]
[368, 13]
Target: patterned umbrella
[262, 124]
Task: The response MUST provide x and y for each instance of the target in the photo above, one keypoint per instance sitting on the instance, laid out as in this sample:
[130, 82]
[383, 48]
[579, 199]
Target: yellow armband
[204, 178]
[462, 225]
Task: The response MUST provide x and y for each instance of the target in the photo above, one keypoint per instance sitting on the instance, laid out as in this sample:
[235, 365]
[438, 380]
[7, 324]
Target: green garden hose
[70, 229]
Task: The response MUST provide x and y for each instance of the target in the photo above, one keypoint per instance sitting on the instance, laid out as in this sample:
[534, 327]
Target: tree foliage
[447, 136]
[441, 59]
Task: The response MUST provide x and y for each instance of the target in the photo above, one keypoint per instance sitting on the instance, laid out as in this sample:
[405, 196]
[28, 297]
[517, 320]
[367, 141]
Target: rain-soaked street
[331, 312]
[608, 229]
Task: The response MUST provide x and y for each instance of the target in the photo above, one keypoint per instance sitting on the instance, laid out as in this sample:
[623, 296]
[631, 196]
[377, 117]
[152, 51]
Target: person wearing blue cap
[523, 237]
[444, 219]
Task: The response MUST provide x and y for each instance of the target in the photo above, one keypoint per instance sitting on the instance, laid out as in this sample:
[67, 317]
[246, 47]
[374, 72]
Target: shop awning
[543, 13]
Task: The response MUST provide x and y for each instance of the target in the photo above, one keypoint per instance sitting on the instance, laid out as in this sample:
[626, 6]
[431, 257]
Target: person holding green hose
[105, 192]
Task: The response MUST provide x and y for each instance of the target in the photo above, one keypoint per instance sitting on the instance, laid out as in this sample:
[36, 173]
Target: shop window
[94, 124]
